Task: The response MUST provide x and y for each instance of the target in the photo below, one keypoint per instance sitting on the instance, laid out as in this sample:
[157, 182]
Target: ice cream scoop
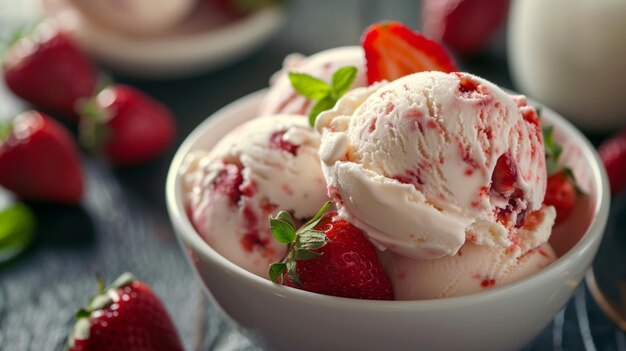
[432, 160]
[473, 269]
[263, 166]
[282, 98]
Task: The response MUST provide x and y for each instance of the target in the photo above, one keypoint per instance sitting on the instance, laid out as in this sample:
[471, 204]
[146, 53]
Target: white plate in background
[206, 40]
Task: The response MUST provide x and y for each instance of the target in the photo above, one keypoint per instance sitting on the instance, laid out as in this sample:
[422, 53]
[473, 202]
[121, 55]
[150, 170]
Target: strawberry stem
[300, 243]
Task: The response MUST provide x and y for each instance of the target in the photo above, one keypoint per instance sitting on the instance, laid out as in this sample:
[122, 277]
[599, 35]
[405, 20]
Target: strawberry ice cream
[433, 160]
[282, 98]
[473, 269]
[265, 165]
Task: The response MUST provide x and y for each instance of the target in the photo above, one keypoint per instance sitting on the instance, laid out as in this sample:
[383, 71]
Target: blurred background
[194, 57]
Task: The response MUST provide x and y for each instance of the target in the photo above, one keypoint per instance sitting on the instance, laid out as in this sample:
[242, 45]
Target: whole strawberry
[126, 126]
[39, 160]
[466, 26]
[127, 316]
[561, 193]
[393, 50]
[613, 154]
[561, 189]
[329, 256]
[47, 69]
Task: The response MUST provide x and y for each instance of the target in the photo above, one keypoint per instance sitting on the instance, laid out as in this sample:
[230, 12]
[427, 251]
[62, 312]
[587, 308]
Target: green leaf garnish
[553, 152]
[324, 95]
[276, 270]
[342, 80]
[308, 86]
[315, 219]
[286, 217]
[282, 231]
[320, 106]
[301, 243]
[17, 229]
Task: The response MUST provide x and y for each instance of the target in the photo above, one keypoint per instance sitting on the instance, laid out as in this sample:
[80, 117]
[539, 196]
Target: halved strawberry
[393, 50]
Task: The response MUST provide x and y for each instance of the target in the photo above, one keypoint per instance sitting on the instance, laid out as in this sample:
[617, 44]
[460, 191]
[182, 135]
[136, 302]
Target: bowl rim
[187, 234]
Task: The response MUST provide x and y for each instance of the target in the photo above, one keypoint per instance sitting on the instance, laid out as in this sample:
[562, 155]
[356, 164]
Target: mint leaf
[309, 86]
[342, 80]
[322, 105]
[17, 229]
[282, 231]
[276, 270]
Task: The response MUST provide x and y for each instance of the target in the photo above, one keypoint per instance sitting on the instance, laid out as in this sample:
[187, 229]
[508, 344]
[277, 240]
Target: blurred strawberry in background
[48, 69]
[465, 26]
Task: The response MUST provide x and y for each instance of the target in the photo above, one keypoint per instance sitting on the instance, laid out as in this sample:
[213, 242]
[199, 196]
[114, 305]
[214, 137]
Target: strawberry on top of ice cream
[431, 160]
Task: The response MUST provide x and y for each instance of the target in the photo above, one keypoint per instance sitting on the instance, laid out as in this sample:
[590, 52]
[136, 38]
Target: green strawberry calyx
[106, 296]
[301, 243]
[324, 95]
[553, 153]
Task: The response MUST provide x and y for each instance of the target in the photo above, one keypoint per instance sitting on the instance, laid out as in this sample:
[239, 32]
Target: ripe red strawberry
[126, 316]
[330, 257]
[127, 126]
[393, 50]
[47, 69]
[464, 25]
[39, 160]
[561, 193]
[613, 154]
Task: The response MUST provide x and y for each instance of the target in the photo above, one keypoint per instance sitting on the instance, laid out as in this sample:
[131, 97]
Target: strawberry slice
[393, 50]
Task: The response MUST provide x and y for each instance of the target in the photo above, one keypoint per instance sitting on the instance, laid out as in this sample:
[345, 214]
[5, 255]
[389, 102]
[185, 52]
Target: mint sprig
[324, 95]
[301, 243]
[17, 229]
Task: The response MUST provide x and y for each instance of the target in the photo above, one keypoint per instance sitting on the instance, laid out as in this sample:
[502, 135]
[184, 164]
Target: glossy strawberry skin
[463, 25]
[40, 161]
[348, 265]
[137, 321]
[393, 50]
[561, 194]
[613, 154]
[138, 128]
[48, 70]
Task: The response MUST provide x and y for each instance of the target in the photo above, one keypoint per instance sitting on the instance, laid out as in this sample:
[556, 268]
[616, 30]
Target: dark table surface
[122, 224]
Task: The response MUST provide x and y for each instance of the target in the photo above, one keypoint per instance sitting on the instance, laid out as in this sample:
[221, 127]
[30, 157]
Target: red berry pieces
[504, 176]
[228, 182]
[48, 70]
[464, 25]
[127, 126]
[613, 155]
[561, 193]
[277, 141]
[393, 50]
[330, 257]
[40, 161]
[127, 316]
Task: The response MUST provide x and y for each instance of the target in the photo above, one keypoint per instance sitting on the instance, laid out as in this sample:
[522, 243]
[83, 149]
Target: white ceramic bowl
[504, 318]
